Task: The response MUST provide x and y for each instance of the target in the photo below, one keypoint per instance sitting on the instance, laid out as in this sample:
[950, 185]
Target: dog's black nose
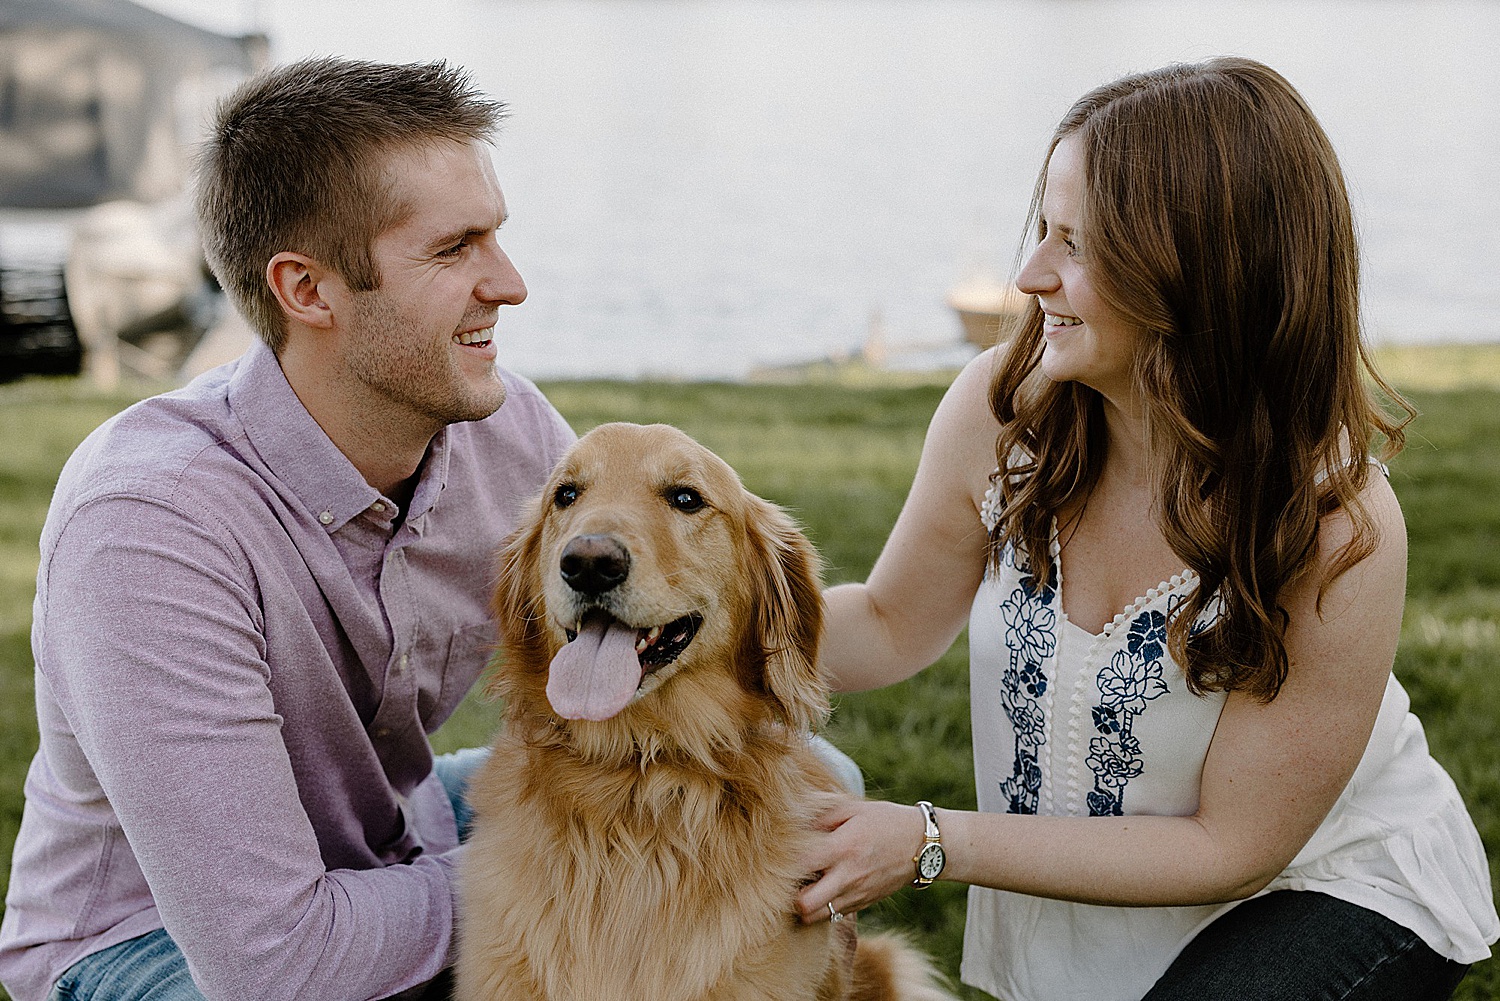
[593, 564]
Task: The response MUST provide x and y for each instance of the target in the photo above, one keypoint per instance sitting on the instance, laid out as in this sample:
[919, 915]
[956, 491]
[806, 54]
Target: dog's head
[651, 591]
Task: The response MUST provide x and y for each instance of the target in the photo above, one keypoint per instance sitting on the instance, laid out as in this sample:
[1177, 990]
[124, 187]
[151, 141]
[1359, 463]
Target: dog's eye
[685, 499]
[565, 494]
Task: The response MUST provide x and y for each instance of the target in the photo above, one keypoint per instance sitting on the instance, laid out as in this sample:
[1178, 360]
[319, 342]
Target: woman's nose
[1038, 276]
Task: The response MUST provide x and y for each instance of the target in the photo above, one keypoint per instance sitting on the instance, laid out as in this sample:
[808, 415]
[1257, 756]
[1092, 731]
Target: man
[258, 595]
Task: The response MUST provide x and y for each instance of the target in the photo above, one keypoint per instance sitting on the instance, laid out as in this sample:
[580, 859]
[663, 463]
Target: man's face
[420, 347]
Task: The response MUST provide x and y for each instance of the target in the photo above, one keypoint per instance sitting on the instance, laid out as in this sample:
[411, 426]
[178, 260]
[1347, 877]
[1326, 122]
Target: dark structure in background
[37, 336]
[99, 100]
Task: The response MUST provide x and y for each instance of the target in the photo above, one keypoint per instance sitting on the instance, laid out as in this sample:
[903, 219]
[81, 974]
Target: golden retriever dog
[639, 824]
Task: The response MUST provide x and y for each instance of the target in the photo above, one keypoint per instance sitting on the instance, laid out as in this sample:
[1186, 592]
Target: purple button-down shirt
[241, 648]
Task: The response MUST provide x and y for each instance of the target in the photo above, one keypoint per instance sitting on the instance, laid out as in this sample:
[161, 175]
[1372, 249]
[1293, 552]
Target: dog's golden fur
[654, 854]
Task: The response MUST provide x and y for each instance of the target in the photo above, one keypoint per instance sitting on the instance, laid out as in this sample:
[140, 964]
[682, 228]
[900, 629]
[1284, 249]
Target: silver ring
[833, 915]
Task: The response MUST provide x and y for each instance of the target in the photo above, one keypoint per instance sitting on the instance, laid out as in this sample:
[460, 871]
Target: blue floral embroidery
[1147, 639]
[1030, 638]
[1132, 678]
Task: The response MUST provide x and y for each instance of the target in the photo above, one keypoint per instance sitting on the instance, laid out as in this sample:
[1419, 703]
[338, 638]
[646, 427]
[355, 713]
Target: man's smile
[476, 338]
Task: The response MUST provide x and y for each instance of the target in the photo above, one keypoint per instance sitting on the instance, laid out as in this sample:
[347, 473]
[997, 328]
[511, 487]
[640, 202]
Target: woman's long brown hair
[1217, 222]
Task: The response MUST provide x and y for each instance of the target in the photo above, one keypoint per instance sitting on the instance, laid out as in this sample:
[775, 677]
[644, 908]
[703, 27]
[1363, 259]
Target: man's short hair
[296, 162]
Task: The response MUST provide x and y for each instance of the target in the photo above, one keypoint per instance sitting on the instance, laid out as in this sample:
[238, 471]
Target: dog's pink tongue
[596, 675]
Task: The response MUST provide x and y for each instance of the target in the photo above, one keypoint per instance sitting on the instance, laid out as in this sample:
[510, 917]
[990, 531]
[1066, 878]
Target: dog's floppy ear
[787, 614]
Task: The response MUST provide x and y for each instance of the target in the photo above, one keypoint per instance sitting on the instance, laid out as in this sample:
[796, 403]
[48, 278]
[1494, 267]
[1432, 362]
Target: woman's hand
[862, 852]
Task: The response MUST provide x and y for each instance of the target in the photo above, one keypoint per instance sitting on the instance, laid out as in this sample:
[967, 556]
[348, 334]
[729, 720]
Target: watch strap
[929, 818]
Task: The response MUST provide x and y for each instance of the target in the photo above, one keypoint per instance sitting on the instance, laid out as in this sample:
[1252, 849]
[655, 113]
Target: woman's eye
[565, 495]
[1072, 247]
[685, 499]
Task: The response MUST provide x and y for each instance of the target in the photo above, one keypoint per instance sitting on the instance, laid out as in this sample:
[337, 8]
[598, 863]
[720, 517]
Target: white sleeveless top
[1072, 724]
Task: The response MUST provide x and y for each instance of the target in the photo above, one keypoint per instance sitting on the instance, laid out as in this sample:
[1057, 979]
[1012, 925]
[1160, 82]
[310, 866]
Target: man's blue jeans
[148, 968]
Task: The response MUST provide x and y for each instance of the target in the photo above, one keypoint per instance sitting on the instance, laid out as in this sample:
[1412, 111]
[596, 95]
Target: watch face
[931, 861]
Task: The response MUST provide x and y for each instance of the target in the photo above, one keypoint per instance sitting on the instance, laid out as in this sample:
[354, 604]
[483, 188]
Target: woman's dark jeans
[1297, 945]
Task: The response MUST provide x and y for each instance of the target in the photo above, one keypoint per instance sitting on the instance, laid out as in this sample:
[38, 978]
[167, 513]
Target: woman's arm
[1271, 775]
[918, 595]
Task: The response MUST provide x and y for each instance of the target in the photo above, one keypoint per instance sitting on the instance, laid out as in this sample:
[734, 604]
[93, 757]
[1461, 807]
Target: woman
[1183, 574]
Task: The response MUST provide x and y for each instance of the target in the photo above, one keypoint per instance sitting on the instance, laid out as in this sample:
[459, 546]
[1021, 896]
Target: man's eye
[454, 250]
[685, 499]
[565, 495]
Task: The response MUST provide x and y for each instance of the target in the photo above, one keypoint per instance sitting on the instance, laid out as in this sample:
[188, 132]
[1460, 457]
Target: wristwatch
[931, 858]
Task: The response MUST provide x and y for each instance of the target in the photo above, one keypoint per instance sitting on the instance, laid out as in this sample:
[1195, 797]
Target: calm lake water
[700, 187]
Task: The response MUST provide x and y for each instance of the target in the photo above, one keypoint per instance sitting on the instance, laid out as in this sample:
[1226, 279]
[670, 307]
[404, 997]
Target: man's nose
[502, 283]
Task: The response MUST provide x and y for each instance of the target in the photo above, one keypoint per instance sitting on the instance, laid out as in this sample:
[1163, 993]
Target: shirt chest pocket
[460, 660]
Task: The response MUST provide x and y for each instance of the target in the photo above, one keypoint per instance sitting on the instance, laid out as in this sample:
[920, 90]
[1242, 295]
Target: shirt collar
[432, 477]
[292, 445]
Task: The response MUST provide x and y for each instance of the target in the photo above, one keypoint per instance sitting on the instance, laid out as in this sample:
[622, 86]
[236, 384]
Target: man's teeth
[1053, 320]
[475, 336]
[652, 635]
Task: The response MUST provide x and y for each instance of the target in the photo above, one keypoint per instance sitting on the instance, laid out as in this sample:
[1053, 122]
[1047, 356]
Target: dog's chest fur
[649, 896]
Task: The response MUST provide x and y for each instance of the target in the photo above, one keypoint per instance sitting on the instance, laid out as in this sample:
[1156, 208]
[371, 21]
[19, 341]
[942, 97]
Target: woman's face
[1086, 340]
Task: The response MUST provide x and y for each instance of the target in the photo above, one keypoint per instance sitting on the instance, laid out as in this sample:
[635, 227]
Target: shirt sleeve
[151, 636]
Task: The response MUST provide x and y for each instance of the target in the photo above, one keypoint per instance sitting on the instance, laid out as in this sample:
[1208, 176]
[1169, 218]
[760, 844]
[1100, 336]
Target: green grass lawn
[841, 454]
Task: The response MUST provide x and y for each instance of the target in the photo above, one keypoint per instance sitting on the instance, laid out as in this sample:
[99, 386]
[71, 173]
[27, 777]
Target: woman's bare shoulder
[1371, 590]
[1376, 502]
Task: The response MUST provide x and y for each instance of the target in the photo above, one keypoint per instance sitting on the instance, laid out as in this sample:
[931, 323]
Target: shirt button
[326, 517]
[401, 662]
[383, 733]
[377, 507]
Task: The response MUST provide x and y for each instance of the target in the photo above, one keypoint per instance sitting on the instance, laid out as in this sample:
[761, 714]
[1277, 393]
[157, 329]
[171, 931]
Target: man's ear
[296, 281]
